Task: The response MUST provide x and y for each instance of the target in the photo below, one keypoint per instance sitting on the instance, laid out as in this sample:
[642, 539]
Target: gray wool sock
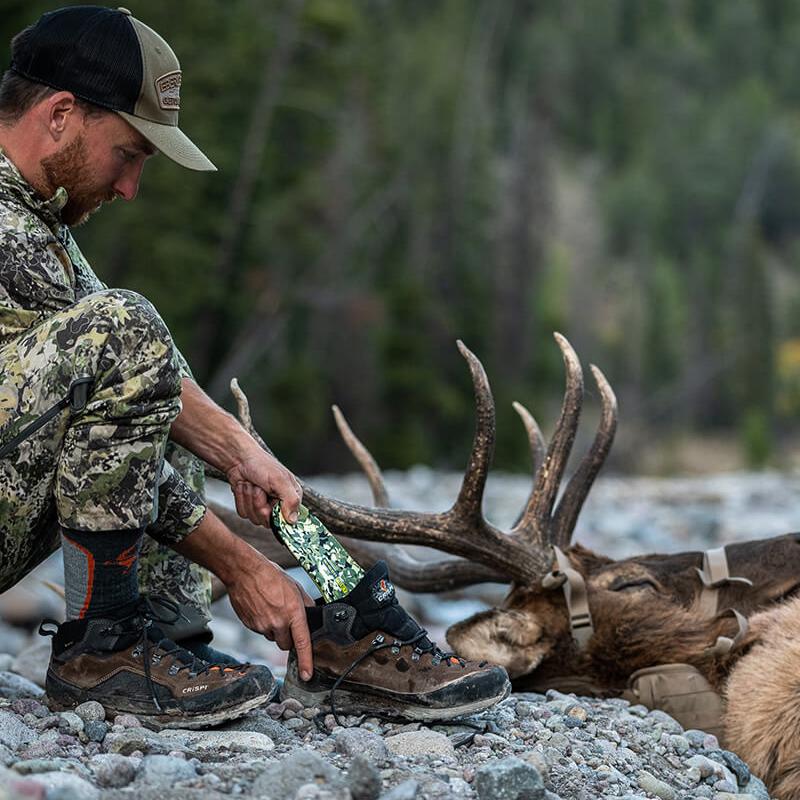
[99, 571]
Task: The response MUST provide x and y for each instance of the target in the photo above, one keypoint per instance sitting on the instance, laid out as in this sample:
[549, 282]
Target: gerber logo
[190, 689]
[383, 590]
[168, 89]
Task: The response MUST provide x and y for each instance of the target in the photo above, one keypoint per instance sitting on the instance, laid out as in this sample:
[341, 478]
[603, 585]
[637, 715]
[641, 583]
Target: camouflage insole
[327, 563]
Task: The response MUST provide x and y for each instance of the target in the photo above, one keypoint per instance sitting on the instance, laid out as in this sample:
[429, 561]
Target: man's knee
[138, 332]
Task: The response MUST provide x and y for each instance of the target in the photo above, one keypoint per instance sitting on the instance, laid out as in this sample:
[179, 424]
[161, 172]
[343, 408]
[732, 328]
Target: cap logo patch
[168, 89]
[382, 590]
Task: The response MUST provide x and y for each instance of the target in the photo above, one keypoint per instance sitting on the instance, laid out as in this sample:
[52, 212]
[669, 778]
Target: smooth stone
[649, 783]
[69, 722]
[300, 767]
[423, 742]
[363, 778]
[13, 686]
[212, 741]
[355, 741]
[64, 786]
[668, 723]
[737, 767]
[407, 790]
[755, 787]
[34, 766]
[166, 770]
[6, 661]
[704, 766]
[14, 733]
[112, 771]
[32, 662]
[261, 722]
[509, 779]
[96, 730]
[91, 711]
[695, 737]
[131, 740]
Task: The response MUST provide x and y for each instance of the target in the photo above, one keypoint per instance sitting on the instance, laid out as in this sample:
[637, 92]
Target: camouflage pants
[102, 467]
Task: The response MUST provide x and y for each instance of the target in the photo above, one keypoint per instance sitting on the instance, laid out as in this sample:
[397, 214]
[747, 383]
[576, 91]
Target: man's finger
[302, 645]
[290, 495]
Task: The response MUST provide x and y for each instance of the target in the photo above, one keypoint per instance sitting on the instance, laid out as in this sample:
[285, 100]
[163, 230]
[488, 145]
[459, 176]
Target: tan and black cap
[111, 59]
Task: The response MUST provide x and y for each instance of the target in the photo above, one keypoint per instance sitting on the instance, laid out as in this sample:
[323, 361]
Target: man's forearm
[214, 547]
[209, 431]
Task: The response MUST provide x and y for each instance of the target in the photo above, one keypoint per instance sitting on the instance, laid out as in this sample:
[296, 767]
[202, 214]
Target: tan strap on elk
[714, 574]
[682, 692]
[565, 577]
[725, 644]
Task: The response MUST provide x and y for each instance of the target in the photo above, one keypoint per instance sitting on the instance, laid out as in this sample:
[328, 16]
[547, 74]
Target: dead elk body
[574, 617]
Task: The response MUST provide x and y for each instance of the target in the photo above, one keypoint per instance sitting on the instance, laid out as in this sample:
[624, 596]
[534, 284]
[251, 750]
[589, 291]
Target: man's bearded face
[71, 168]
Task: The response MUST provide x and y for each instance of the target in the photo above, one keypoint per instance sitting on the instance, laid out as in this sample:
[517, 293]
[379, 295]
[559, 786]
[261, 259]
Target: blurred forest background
[397, 174]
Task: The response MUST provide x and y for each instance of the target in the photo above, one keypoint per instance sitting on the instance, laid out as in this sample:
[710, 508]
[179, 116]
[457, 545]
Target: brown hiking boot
[127, 666]
[371, 657]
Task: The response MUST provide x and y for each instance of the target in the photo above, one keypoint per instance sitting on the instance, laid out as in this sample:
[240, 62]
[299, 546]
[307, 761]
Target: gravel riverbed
[530, 746]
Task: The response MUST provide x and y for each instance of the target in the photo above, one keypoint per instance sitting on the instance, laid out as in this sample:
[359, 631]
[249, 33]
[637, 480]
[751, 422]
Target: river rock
[32, 662]
[14, 733]
[407, 790]
[91, 711]
[64, 786]
[12, 640]
[363, 778]
[261, 722]
[423, 742]
[166, 770]
[112, 771]
[652, 785]
[354, 741]
[509, 779]
[220, 741]
[13, 686]
[129, 740]
[282, 779]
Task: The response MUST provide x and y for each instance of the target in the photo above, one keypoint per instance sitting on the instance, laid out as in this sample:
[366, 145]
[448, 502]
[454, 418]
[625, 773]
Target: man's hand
[257, 481]
[257, 478]
[274, 605]
[264, 597]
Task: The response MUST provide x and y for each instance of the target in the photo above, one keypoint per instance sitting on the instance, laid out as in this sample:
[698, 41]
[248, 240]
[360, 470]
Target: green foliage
[410, 192]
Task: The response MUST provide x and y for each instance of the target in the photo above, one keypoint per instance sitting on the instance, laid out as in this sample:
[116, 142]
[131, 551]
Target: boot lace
[153, 646]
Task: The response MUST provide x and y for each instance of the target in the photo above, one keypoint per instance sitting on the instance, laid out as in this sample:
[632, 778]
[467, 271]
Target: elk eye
[628, 586]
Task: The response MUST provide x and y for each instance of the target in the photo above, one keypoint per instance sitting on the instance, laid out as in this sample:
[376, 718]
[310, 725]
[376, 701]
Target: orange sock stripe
[89, 576]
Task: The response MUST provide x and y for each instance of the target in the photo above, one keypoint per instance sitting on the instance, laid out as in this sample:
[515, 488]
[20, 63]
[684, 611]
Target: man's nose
[127, 185]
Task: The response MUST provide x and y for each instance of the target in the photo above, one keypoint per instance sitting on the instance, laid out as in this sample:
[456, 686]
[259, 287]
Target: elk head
[646, 610]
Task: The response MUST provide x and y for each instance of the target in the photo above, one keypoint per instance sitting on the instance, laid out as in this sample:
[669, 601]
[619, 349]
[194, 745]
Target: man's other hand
[274, 605]
[258, 481]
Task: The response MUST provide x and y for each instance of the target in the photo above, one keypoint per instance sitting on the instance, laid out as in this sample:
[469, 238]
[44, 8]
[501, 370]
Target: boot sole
[364, 702]
[176, 718]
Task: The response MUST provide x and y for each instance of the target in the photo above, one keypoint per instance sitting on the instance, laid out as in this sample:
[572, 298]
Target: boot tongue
[378, 608]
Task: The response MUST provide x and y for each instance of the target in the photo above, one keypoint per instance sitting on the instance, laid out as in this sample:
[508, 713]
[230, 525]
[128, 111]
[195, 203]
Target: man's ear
[59, 112]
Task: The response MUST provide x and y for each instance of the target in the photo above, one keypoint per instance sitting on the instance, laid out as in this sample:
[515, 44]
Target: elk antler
[488, 554]
[524, 553]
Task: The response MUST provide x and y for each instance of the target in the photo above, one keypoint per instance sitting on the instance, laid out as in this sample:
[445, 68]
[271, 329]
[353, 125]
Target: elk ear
[513, 639]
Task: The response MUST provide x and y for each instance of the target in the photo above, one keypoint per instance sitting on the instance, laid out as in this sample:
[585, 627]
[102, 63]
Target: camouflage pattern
[319, 553]
[104, 467]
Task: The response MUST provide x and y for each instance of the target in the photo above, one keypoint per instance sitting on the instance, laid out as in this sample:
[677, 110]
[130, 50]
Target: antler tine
[243, 406]
[569, 507]
[364, 458]
[535, 438]
[470, 497]
[534, 527]
[536, 443]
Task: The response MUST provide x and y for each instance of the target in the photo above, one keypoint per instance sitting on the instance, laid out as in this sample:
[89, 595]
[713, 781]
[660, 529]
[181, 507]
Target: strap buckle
[572, 584]
[713, 575]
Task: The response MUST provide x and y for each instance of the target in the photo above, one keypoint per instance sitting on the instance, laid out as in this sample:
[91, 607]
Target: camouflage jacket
[42, 271]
